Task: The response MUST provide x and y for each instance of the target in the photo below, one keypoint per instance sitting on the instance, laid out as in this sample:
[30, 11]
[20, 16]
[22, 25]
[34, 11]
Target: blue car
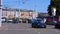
[38, 23]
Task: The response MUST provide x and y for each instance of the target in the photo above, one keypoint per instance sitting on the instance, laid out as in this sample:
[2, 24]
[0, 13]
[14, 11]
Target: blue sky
[38, 5]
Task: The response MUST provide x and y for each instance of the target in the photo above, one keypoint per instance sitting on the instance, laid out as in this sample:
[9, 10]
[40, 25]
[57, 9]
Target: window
[30, 13]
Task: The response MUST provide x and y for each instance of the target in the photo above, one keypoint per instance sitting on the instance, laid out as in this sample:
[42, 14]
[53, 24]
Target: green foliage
[54, 3]
[9, 18]
[21, 18]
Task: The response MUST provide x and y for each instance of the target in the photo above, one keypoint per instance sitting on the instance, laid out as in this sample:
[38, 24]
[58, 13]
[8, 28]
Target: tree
[49, 10]
[54, 3]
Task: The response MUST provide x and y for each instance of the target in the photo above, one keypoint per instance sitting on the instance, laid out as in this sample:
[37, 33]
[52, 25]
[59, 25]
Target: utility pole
[0, 13]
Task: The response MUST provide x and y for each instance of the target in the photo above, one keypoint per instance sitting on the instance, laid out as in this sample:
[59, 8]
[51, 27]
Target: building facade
[9, 13]
[28, 14]
[22, 13]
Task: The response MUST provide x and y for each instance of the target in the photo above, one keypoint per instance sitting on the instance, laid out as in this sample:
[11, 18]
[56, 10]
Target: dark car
[38, 23]
[49, 20]
[16, 20]
[57, 25]
[29, 20]
[57, 22]
[24, 21]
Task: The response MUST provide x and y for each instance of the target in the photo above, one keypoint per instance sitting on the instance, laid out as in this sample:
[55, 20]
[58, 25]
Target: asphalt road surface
[25, 28]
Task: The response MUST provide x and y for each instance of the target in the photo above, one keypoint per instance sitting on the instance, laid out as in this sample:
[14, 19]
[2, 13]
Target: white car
[3, 19]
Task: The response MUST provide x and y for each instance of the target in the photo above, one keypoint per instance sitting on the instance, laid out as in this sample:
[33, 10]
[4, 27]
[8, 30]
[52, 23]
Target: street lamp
[0, 13]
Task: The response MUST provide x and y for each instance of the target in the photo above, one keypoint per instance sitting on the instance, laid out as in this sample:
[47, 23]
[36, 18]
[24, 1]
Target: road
[25, 28]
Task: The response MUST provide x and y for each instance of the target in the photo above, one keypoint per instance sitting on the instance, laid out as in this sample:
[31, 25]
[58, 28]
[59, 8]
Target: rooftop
[22, 10]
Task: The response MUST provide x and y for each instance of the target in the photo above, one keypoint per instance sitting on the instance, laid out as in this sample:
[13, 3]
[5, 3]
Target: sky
[37, 5]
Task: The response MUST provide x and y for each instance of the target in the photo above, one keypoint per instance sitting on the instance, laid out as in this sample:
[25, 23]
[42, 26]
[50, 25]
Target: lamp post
[0, 13]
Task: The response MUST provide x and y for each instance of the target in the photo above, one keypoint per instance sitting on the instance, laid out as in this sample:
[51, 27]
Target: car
[4, 19]
[49, 20]
[10, 21]
[57, 25]
[38, 23]
[23, 21]
[57, 22]
[16, 20]
[29, 20]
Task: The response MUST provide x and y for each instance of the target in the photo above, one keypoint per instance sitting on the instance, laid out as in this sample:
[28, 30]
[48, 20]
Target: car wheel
[33, 26]
[57, 27]
[45, 27]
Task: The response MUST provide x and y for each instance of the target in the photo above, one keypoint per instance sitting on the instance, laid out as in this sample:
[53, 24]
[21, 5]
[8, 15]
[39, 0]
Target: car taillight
[59, 18]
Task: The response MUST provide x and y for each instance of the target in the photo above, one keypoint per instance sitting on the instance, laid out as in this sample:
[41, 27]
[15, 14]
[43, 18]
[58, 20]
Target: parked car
[16, 20]
[49, 20]
[38, 23]
[57, 22]
[4, 19]
[29, 20]
[10, 21]
[24, 21]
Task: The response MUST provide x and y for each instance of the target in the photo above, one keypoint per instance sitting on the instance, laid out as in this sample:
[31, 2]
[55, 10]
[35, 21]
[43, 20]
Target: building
[22, 13]
[9, 13]
[43, 14]
[28, 14]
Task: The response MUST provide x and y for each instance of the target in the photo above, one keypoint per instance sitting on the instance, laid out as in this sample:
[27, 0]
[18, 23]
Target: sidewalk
[3, 27]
